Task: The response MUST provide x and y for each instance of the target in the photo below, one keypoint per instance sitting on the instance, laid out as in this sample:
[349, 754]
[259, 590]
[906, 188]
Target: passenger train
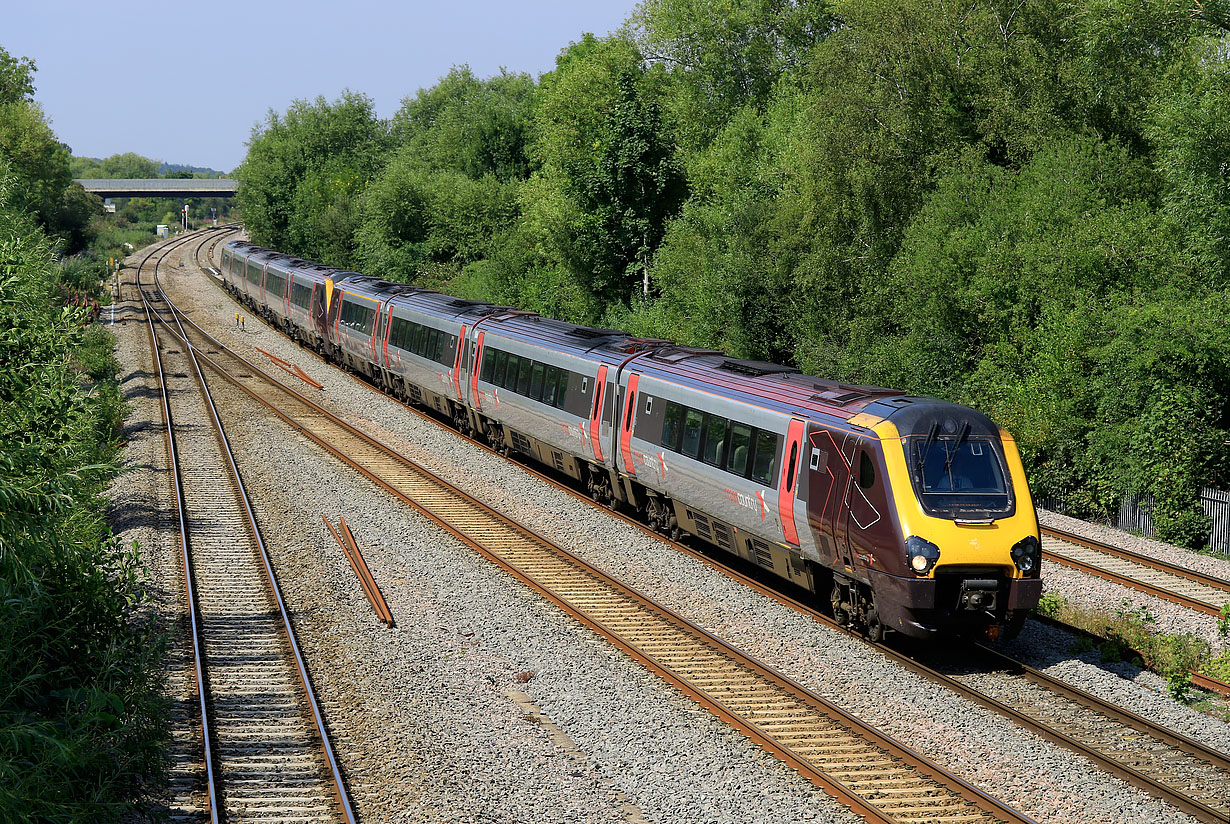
[909, 513]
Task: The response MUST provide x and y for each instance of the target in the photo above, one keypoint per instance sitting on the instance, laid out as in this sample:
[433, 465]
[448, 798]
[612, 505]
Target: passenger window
[510, 377]
[763, 464]
[523, 377]
[420, 334]
[866, 471]
[715, 440]
[671, 425]
[536, 381]
[692, 422]
[550, 385]
[740, 445]
[488, 365]
[501, 363]
[564, 376]
[441, 343]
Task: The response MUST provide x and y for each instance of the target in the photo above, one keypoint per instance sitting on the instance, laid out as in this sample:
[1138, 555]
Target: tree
[602, 145]
[129, 166]
[472, 126]
[303, 172]
[16, 78]
[36, 161]
[725, 55]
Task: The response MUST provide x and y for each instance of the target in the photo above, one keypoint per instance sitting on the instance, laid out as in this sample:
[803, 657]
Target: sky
[186, 82]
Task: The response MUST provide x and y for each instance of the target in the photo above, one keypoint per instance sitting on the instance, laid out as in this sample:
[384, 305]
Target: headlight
[1027, 555]
[922, 554]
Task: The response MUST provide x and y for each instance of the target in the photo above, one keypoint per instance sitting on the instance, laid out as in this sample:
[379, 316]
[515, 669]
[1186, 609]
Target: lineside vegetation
[82, 720]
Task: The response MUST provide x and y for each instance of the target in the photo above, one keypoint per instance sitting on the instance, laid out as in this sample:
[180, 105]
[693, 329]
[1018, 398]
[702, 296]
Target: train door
[378, 335]
[595, 413]
[458, 361]
[627, 418]
[828, 491]
[788, 486]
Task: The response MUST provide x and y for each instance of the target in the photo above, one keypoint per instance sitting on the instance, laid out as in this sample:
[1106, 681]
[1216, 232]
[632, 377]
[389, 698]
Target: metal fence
[1136, 515]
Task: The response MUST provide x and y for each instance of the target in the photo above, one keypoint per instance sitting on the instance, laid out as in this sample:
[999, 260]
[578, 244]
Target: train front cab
[966, 525]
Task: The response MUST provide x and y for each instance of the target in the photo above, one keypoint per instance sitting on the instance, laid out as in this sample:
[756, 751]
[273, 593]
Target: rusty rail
[345, 539]
[291, 369]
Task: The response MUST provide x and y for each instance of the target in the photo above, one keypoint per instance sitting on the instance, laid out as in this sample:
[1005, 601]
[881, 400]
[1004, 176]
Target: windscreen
[959, 477]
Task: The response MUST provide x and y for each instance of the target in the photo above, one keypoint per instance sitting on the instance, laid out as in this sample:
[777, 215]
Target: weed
[1051, 605]
[1180, 686]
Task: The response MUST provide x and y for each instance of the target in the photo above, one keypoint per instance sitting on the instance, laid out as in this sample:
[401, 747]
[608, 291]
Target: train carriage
[710, 463]
[423, 356]
[252, 284]
[305, 289]
[234, 257]
[545, 388]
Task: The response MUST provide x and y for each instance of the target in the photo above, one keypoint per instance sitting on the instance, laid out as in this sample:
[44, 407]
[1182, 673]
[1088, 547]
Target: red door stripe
[625, 424]
[478, 362]
[786, 493]
[388, 324]
[461, 345]
[595, 414]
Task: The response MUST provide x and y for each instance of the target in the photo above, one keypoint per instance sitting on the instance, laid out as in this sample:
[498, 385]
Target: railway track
[260, 751]
[1177, 769]
[1195, 590]
[879, 778]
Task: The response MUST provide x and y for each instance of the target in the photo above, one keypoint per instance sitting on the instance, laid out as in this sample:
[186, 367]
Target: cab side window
[866, 470]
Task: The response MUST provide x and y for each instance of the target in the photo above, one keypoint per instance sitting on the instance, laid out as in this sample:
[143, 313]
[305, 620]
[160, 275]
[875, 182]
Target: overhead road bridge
[162, 187]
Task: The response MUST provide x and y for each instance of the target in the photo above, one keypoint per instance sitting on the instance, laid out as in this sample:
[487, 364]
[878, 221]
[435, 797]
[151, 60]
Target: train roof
[612, 346]
[760, 383]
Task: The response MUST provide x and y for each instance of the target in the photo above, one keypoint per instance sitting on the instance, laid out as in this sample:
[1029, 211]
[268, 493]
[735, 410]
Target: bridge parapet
[162, 187]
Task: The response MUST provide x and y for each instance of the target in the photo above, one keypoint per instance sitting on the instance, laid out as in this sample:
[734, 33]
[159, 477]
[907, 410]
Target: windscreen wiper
[920, 462]
[950, 456]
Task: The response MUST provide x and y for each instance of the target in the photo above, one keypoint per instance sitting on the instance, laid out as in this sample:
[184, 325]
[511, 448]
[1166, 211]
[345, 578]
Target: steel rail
[1133, 583]
[1156, 564]
[1128, 555]
[345, 539]
[338, 783]
[1132, 776]
[659, 663]
[198, 655]
[1177, 798]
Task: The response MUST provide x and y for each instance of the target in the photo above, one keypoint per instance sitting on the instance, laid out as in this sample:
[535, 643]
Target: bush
[82, 720]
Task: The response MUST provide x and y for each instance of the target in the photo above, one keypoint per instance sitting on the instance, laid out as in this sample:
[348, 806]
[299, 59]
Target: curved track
[262, 740]
[1177, 769]
[878, 777]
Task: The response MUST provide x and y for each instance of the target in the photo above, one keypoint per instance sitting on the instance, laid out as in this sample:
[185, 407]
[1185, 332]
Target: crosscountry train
[911, 514]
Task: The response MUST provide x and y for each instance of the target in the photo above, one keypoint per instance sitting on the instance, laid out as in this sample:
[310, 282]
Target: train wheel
[875, 629]
[840, 615]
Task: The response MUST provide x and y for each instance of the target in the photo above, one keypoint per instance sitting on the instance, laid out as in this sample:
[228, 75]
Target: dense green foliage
[1024, 207]
[81, 723]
